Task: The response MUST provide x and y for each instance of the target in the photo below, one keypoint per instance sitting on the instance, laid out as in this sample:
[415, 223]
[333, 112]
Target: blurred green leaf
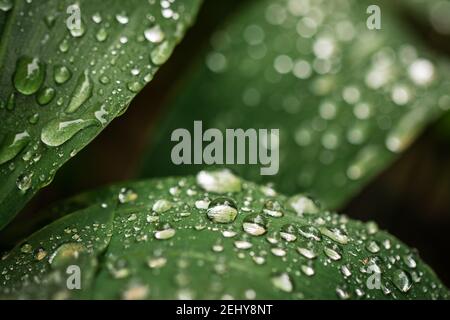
[60, 85]
[175, 238]
[347, 100]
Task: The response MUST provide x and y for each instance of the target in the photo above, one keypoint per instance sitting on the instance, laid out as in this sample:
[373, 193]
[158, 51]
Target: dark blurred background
[411, 199]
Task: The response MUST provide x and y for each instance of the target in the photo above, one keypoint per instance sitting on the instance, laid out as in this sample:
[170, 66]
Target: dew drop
[127, 195]
[26, 248]
[56, 132]
[61, 74]
[65, 253]
[273, 209]
[6, 5]
[24, 181]
[303, 205]
[45, 96]
[219, 181]
[222, 210]
[333, 252]
[29, 75]
[154, 34]
[335, 234]
[283, 282]
[307, 270]
[401, 280]
[373, 247]
[101, 35]
[12, 145]
[288, 233]
[162, 205]
[156, 263]
[255, 225]
[40, 254]
[164, 232]
[161, 53]
[82, 92]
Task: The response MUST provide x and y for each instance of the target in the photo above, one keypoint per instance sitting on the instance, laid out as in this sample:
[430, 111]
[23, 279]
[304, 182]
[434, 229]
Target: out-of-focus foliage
[347, 100]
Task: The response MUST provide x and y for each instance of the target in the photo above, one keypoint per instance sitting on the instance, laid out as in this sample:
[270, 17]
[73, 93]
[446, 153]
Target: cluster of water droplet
[84, 78]
[175, 239]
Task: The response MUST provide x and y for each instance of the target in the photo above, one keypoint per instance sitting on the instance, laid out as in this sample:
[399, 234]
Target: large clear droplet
[29, 75]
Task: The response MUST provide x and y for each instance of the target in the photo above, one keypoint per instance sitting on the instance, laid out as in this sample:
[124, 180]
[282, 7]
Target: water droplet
[333, 252]
[24, 181]
[373, 247]
[243, 244]
[156, 263]
[273, 209]
[308, 270]
[164, 232]
[421, 72]
[127, 195]
[101, 35]
[136, 292]
[409, 261]
[308, 251]
[135, 86]
[401, 280]
[278, 252]
[161, 53]
[342, 293]
[162, 205]
[222, 210]
[57, 132]
[11, 103]
[345, 270]
[78, 32]
[154, 34]
[219, 181]
[407, 128]
[288, 233]
[283, 282]
[122, 18]
[255, 225]
[64, 46]
[303, 205]
[335, 234]
[29, 75]
[66, 253]
[61, 74]
[26, 248]
[40, 254]
[6, 5]
[82, 92]
[12, 145]
[309, 232]
[228, 233]
[45, 96]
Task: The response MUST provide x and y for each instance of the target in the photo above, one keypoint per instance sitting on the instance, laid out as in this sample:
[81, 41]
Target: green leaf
[60, 87]
[37, 265]
[176, 238]
[347, 100]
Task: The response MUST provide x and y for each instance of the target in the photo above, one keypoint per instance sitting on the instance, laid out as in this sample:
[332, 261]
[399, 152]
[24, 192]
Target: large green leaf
[217, 236]
[347, 100]
[60, 87]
